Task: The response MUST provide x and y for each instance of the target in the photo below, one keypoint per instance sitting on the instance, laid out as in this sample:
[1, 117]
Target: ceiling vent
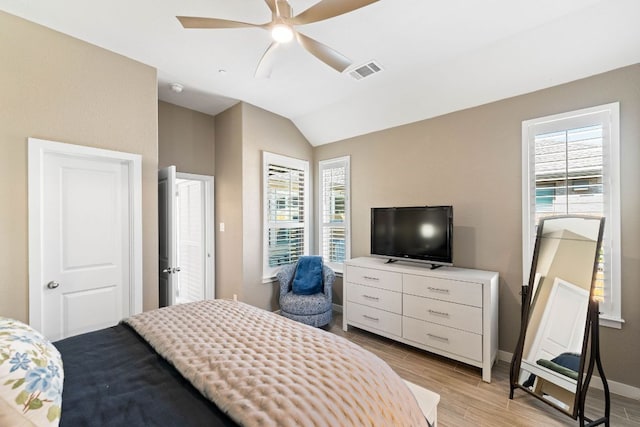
[366, 70]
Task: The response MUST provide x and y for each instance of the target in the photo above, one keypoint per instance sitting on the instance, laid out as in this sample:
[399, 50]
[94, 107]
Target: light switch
[222, 226]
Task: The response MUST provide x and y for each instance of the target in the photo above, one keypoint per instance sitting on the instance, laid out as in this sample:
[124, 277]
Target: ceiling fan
[282, 29]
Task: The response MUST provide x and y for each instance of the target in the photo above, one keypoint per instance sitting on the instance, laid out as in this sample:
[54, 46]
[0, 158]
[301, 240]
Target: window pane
[286, 245]
[333, 244]
[285, 210]
[334, 209]
[569, 172]
[569, 180]
[333, 195]
[285, 194]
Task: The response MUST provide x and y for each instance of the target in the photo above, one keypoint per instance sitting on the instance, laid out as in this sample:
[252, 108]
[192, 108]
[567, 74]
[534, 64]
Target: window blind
[571, 166]
[285, 201]
[286, 222]
[569, 179]
[334, 182]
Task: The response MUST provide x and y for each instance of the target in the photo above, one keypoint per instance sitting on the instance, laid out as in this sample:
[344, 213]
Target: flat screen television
[420, 234]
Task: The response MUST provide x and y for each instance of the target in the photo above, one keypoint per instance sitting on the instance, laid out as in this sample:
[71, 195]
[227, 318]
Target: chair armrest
[329, 277]
[285, 277]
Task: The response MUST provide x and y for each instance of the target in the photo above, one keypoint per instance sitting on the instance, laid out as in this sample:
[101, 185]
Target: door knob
[167, 270]
[176, 270]
[53, 284]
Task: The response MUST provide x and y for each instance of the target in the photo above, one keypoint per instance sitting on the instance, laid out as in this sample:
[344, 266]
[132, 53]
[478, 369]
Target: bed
[215, 363]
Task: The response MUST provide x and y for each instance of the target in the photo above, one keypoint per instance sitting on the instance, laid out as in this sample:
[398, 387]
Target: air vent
[366, 70]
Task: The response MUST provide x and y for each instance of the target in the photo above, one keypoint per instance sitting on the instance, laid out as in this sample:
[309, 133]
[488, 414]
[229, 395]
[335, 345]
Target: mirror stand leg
[517, 355]
[595, 359]
[607, 397]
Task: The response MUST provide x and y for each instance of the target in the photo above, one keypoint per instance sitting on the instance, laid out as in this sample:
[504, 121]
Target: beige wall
[228, 201]
[471, 159]
[242, 133]
[263, 131]
[58, 88]
[186, 139]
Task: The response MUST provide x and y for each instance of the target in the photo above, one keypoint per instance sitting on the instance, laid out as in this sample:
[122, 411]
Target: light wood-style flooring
[465, 400]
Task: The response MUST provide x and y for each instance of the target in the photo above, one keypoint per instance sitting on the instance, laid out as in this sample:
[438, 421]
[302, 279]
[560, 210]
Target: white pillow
[31, 377]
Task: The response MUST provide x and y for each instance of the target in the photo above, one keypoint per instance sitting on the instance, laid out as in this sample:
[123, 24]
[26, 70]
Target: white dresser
[449, 311]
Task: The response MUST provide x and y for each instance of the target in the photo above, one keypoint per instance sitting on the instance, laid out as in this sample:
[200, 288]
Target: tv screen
[421, 233]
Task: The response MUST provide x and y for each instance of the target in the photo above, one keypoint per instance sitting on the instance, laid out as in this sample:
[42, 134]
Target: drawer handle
[441, 290]
[370, 297]
[375, 319]
[437, 337]
[438, 313]
[371, 278]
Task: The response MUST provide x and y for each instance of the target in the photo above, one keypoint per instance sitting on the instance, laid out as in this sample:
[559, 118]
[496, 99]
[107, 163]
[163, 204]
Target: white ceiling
[438, 56]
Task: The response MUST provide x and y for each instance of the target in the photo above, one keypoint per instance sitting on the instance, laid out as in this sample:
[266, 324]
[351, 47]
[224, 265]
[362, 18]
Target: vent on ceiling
[366, 70]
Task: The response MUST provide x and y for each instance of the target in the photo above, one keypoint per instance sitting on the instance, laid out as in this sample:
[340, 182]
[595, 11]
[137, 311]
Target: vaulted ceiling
[436, 56]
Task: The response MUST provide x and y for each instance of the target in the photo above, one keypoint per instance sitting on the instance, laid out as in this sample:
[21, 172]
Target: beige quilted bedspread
[265, 370]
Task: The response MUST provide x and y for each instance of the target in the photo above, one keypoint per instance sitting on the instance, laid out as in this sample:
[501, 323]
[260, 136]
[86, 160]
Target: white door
[83, 259]
[186, 231]
[191, 241]
[168, 255]
[563, 322]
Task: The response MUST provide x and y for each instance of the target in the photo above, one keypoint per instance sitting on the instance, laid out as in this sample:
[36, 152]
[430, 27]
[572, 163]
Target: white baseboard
[615, 387]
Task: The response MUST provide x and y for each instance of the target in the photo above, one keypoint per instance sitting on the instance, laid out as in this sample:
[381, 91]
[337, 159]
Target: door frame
[209, 225]
[37, 150]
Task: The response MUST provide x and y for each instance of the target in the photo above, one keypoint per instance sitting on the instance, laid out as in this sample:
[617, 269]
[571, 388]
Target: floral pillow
[31, 377]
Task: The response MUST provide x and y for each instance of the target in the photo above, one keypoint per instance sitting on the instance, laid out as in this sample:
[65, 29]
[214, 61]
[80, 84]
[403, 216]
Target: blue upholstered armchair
[315, 309]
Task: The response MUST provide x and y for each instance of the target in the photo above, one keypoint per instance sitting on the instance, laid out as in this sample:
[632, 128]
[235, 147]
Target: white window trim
[269, 273]
[612, 222]
[324, 164]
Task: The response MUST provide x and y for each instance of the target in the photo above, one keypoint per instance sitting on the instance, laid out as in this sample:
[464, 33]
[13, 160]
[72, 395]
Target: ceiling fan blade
[272, 6]
[197, 22]
[324, 53]
[283, 9]
[328, 9]
[265, 65]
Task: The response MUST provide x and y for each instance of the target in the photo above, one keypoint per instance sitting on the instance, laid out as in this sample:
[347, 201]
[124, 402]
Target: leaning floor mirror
[558, 344]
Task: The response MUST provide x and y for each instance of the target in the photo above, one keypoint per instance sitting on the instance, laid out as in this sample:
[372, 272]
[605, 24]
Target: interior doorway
[85, 237]
[186, 237]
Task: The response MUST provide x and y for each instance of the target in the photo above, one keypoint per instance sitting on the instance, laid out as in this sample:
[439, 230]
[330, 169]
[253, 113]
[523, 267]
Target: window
[571, 166]
[286, 211]
[334, 245]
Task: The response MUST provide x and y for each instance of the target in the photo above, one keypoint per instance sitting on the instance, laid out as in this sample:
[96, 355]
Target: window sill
[611, 322]
[338, 269]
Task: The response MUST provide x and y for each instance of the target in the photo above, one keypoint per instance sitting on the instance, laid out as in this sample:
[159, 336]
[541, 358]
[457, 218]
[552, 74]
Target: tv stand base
[432, 266]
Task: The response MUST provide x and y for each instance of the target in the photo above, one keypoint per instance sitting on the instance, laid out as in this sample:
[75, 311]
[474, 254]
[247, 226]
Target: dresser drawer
[444, 313]
[467, 293]
[377, 278]
[375, 297]
[373, 318]
[461, 343]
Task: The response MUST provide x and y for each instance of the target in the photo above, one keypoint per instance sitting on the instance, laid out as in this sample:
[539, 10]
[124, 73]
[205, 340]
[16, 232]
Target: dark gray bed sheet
[112, 377]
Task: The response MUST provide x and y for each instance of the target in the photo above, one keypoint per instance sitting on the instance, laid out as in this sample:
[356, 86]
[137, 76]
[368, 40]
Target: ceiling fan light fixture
[282, 33]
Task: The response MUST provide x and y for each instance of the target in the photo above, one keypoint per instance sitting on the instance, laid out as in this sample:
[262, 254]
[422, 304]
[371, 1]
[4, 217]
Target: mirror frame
[590, 328]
